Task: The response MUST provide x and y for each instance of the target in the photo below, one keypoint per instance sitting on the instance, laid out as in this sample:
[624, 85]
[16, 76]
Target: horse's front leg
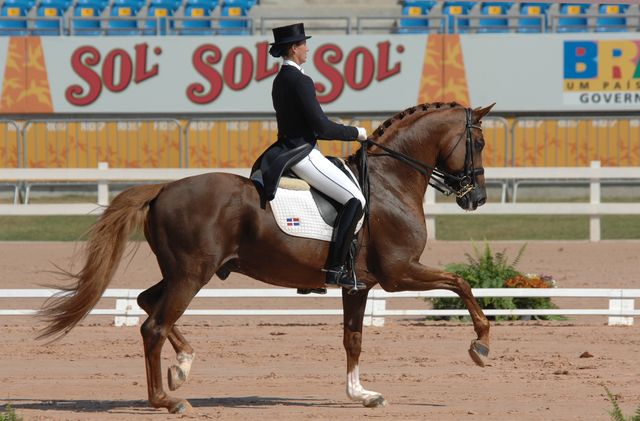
[353, 307]
[421, 278]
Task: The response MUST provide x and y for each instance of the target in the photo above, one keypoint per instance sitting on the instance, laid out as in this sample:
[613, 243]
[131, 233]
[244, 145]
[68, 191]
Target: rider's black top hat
[286, 35]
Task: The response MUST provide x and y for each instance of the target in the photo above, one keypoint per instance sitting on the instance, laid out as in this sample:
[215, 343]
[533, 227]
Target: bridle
[459, 184]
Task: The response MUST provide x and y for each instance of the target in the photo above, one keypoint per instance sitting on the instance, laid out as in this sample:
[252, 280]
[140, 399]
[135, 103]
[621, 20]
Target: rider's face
[299, 52]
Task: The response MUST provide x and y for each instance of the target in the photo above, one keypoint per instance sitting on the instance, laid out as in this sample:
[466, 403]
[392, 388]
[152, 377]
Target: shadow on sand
[142, 406]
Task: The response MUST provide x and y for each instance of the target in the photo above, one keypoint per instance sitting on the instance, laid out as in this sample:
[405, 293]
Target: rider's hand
[362, 133]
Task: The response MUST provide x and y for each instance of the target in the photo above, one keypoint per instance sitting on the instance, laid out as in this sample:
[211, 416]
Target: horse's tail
[103, 250]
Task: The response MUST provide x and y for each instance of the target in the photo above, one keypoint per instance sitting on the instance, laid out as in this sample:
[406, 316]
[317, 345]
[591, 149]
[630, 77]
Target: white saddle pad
[296, 214]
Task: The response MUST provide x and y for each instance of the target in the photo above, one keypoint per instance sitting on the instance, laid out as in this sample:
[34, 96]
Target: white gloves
[362, 133]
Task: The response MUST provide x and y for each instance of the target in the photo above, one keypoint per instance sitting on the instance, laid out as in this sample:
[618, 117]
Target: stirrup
[339, 276]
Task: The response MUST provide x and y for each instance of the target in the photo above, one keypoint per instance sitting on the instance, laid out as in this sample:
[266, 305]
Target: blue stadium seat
[537, 20]
[615, 21]
[159, 11]
[13, 17]
[122, 11]
[415, 8]
[86, 19]
[576, 21]
[199, 24]
[197, 17]
[453, 9]
[49, 15]
[496, 20]
[235, 8]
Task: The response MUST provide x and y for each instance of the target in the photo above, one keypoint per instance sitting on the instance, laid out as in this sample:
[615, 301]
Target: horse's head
[461, 156]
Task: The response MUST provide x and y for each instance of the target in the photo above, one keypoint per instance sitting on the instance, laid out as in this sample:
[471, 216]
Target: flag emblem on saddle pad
[293, 222]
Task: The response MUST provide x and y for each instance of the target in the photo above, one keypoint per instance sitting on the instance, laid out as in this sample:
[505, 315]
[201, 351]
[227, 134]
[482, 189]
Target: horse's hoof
[175, 377]
[478, 351]
[375, 402]
[181, 407]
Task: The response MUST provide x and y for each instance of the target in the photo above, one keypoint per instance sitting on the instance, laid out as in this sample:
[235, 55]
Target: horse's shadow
[142, 406]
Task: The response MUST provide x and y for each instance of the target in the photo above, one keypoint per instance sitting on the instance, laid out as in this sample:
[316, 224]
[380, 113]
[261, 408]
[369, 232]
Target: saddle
[300, 210]
[327, 207]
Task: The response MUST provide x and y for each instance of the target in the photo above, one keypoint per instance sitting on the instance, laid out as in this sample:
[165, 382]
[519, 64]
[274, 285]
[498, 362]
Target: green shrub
[9, 414]
[486, 269]
[616, 412]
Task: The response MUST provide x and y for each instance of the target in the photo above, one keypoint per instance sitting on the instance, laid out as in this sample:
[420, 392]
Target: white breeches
[322, 175]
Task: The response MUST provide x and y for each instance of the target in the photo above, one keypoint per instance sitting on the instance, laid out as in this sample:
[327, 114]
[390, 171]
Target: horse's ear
[481, 112]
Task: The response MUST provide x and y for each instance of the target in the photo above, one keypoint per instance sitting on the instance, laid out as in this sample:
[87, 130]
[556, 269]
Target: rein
[438, 178]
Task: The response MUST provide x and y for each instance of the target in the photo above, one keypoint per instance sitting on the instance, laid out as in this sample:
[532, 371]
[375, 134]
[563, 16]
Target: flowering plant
[530, 280]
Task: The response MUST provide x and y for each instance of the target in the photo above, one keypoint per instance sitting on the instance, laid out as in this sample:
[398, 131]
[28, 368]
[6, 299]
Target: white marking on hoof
[357, 393]
[178, 374]
[181, 407]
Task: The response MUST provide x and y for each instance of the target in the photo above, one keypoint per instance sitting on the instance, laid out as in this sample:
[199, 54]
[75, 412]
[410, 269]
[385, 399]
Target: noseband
[459, 184]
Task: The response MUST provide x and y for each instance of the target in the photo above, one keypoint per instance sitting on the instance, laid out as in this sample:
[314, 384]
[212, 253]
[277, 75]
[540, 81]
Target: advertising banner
[355, 74]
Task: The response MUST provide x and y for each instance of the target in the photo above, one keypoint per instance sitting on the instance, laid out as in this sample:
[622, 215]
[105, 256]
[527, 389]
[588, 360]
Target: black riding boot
[343, 230]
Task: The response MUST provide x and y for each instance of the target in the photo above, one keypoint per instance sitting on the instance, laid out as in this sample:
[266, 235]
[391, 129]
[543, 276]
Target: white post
[374, 311]
[620, 306]
[430, 199]
[126, 305]
[594, 220]
[103, 186]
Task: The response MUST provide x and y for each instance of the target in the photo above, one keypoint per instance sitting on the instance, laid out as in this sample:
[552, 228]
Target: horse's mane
[388, 123]
[398, 117]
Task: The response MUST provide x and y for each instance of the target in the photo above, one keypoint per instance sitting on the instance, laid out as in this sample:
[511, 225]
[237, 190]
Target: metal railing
[130, 142]
[237, 142]
[575, 141]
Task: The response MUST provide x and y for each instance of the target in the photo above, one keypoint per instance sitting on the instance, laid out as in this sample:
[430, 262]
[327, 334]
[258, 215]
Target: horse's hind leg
[353, 308]
[172, 304]
[176, 374]
[420, 278]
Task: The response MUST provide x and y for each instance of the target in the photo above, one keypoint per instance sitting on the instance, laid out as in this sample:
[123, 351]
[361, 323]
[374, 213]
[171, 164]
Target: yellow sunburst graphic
[38, 92]
[443, 74]
[14, 78]
[25, 88]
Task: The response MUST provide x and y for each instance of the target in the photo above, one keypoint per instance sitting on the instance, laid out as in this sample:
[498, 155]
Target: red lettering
[261, 68]
[81, 59]
[384, 71]
[142, 73]
[368, 64]
[203, 59]
[334, 55]
[126, 70]
[246, 68]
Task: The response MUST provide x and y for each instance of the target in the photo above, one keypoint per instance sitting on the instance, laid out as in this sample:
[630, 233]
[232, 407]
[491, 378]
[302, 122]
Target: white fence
[621, 309]
[103, 176]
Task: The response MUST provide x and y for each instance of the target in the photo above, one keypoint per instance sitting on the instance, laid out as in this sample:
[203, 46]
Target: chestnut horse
[213, 224]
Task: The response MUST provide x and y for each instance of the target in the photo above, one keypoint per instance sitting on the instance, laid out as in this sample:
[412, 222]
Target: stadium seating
[573, 17]
[86, 19]
[415, 8]
[235, 8]
[496, 20]
[123, 11]
[231, 17]
[195, 20]
[49, 15]
[158, 12]
[13, 17]
[454, 9]
[537, 20]
[615, 22]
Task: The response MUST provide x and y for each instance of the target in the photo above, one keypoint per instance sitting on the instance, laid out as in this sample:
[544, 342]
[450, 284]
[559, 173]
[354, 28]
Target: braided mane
[402, 114]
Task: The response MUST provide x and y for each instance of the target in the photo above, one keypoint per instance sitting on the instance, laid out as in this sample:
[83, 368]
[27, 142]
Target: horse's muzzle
[473, 199]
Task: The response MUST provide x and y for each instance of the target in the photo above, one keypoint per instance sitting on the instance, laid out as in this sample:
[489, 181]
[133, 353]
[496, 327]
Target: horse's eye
[480, 143]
